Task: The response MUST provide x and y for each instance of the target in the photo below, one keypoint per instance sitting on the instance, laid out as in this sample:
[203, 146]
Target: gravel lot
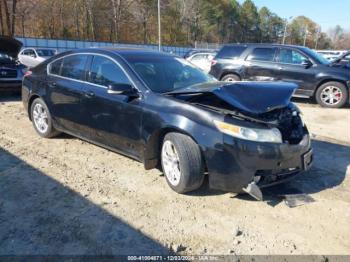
[66, 196]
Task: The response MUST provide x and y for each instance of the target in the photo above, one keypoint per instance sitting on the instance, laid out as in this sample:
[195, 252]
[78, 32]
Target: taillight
[213, 62]
[28, 73]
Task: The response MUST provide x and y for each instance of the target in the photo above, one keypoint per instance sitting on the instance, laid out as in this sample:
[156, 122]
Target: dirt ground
[66, 196]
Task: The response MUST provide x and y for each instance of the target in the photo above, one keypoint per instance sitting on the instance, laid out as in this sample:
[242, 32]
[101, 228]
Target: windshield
[46, 52]
[320, 59]
[166, 73]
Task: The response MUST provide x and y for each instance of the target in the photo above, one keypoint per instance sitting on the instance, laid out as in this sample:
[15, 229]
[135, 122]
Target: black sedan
[162, 111]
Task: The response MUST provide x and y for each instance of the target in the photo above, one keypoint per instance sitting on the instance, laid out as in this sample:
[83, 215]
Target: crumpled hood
[10, 46]
[250, 97]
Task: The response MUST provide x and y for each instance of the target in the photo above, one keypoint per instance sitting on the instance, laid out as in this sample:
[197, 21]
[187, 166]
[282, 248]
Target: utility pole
[317, 37]
[159, 31]
[285, 29]
[305, 35]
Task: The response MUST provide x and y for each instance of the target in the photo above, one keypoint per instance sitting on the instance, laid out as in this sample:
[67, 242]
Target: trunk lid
[10, 46]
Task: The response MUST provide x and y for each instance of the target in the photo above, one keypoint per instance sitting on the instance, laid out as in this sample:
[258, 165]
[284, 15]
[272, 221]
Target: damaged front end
[265, 141]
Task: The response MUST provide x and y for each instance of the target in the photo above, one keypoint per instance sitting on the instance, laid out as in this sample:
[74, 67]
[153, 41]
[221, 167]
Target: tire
[230, 78]
[337, 89]
[190, 164]
[42, 125]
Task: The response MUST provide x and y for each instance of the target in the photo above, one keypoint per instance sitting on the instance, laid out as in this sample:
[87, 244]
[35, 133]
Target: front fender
[158, 120]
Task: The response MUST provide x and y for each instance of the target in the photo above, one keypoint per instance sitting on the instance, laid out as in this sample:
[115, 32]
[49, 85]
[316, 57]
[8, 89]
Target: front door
[114, 120]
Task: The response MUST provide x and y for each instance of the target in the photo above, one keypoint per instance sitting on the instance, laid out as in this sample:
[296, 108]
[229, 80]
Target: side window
[262, 54]
[29, 52]
[74, 67]
[231, 52]
[198, 57]
[289, 56]
[106, 72]
[55, 67]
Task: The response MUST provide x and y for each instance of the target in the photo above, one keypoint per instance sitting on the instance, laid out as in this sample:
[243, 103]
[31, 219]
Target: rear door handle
[89, 94]
[280, 68]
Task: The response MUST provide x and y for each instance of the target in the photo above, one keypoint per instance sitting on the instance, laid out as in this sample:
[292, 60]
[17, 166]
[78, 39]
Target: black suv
[315, 76]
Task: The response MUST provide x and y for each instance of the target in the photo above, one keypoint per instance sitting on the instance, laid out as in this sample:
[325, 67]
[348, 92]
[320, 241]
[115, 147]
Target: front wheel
[182, 163]
[41, 118]
[332, 95]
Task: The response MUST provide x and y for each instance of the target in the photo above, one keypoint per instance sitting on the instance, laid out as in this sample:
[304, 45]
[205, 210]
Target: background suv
[11, 71]
[315, 76]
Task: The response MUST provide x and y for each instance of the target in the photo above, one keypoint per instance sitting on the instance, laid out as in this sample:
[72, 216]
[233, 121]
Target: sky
[327, 13]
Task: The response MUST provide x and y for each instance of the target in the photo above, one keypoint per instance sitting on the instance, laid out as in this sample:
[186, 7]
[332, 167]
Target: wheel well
[331, 80]
[230, 73]
[31, 99]
[154, 145]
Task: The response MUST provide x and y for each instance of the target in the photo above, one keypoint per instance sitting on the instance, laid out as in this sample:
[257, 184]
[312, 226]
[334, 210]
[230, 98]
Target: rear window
[262, 54]
[232, 52]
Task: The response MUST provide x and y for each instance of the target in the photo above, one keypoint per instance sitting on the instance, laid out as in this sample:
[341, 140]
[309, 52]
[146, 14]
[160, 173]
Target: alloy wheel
[171, 163]
[40, 118]
[331, 95]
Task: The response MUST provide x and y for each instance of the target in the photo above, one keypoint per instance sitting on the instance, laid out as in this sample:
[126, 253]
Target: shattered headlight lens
[272, 135]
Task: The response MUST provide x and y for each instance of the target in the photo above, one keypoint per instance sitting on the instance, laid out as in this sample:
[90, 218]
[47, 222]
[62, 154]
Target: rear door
[227, 61]
[66, 78]
[260, 64]
[291, 69]
[114, 119]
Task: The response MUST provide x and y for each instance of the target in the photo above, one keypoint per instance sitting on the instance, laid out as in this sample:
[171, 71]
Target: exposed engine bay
[286, 119]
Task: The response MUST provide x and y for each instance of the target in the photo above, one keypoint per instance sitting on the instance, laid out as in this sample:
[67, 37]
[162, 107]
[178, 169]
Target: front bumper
[235, 164]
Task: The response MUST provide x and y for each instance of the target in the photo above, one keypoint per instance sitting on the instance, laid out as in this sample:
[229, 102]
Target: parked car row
[15, 62]
[328, 82]
[331, 54]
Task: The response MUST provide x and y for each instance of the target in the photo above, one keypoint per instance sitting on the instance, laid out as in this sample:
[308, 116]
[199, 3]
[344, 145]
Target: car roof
[265, 44]
[124, 51]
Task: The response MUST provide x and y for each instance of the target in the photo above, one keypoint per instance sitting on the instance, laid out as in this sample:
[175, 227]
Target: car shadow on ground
[41, 216]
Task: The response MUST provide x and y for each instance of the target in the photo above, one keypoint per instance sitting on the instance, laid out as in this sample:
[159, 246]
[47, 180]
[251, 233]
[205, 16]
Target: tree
[184, 22]
[250, 22]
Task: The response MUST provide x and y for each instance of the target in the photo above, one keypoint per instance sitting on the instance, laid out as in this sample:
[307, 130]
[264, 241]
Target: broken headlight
[272, 135]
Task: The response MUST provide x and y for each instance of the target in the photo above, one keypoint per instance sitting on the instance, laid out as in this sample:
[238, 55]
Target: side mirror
[121, 89]
[306, 63]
